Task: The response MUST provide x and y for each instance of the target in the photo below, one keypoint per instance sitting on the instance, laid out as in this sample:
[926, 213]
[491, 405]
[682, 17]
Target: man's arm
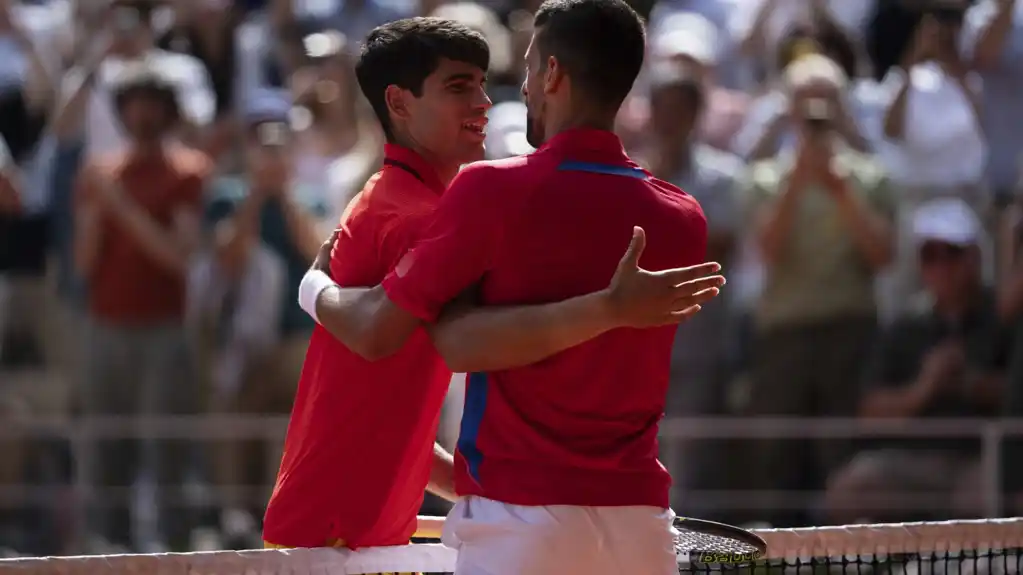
[442, 474]
[491, 338]
[481, 339]
[454, 255]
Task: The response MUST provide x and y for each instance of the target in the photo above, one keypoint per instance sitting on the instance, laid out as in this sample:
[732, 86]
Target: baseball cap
[267, 113]
[947, 220]
[266, 105]
[686, 34]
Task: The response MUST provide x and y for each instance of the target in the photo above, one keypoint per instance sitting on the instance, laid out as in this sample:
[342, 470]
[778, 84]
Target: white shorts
[494, 538]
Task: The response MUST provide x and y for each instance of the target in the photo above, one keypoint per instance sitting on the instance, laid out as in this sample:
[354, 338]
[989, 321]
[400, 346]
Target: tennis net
[987, 547]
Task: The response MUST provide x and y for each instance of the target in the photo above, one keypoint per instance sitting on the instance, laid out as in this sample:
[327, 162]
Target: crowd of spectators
[858, 162]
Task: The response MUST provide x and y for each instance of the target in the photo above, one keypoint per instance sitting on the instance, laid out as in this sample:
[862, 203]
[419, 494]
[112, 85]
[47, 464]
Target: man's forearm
[442, 474]
[364, 320]
[870, 234]
[160, 244]
[487, 339]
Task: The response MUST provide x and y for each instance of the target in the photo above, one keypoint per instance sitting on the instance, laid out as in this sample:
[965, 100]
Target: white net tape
[998, 544]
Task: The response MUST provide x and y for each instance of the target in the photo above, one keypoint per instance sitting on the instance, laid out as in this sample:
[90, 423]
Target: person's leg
[109, 390]
[782, 377]
[844, 348]
[170, 389]
[494, 538]
[892, 485]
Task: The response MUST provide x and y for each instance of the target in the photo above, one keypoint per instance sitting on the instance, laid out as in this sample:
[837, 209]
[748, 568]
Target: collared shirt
[359, 445]
[579, 428]
[903, 346]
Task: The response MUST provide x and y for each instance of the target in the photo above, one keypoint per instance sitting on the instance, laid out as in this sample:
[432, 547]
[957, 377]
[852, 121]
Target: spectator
[698, 376]
[946, 357]
[823, 226]
[127, 36]
[767, 129]
[136, 221]
[207, 30]
[336, 147]
[26, 95]
[692, 41]
[266, 233]
[926, 158]
[993, 43]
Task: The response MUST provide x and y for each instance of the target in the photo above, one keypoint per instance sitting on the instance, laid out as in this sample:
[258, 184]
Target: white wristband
[313, 282]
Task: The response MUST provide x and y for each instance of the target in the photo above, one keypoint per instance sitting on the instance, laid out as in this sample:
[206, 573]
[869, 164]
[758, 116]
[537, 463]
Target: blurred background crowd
[858, 162]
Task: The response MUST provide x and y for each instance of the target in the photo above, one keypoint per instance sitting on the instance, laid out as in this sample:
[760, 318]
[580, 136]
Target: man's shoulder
[515, 166]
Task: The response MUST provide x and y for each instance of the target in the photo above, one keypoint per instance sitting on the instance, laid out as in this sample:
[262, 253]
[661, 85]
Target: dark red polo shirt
[579, 428]
[360, 441]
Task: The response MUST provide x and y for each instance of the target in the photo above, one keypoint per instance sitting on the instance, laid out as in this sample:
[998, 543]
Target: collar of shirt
[402, 158]
[582, 140]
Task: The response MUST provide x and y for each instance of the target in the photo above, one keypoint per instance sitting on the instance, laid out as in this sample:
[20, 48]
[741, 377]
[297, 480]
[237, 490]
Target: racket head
[712, 543]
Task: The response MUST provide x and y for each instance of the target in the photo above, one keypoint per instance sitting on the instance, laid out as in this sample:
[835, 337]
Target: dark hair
[601, 44]
[837, 45]
[405, 52]
[142, 79]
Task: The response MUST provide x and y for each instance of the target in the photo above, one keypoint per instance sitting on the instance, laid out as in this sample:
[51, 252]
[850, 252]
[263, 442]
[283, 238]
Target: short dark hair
[601, 44]
[405, 52]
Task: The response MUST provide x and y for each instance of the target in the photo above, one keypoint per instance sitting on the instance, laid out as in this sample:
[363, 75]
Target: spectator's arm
[69, 115]
[988, 28]
[987, 390]
[304, 228]
[10, 182]
[238, 231]
[172, 248]
[774, 219]
[899, 401]
[39, 86]
[88, 231]
[895, 115]
[871, 232]
[753, 41]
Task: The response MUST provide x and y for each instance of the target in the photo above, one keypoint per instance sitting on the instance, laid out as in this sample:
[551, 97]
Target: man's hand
[639, 298]
[942, 369]
[322, 260]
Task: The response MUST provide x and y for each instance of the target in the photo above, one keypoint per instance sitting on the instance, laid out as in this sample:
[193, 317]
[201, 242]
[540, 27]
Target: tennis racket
[698, 541]
[710, 543]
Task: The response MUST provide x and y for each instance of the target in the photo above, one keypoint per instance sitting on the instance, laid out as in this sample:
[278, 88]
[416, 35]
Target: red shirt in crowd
[127, 286]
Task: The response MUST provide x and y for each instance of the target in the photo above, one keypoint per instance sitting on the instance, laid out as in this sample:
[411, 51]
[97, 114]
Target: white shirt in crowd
[103, 131]
[951, 152]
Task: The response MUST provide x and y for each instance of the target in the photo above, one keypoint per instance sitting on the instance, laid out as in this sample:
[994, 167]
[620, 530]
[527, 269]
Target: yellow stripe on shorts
[335, 543]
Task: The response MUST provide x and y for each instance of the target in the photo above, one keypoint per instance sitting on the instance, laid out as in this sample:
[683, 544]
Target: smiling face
[449, 117]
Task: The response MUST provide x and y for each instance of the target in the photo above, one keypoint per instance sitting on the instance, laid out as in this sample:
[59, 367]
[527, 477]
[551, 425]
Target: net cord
[790, 544]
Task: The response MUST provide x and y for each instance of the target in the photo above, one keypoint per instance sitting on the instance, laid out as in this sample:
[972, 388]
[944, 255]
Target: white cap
[686, 34]
[946, 220]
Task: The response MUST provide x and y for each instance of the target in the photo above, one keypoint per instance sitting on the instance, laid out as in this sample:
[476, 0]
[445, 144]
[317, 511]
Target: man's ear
[397, 102]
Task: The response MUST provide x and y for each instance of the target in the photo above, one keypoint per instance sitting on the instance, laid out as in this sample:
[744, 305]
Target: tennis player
[557, 461]
[358, 451]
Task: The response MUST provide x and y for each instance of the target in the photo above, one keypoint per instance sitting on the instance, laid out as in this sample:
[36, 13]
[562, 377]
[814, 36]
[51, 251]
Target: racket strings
[692, 541]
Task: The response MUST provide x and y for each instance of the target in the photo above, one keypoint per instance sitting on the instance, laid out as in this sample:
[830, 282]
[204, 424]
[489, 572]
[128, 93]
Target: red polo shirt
[359, 447]
[579, 428]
